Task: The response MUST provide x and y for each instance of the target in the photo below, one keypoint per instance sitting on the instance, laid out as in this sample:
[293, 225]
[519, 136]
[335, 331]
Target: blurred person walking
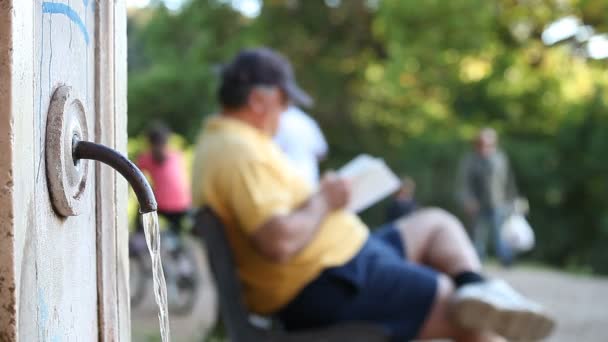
[301, 139]
[486, 191]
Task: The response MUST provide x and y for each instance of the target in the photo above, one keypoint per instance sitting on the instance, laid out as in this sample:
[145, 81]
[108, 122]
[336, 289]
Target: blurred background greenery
[411, 82]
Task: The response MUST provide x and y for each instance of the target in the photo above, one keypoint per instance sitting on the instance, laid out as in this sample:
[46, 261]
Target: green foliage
[412, 81]
[176, 58]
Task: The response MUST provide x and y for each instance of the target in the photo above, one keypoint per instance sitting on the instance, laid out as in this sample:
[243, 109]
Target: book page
[371, 181]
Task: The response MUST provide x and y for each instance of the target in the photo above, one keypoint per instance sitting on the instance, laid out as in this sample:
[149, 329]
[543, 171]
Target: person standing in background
[403, 202]
[486, 190]
[301, 139]
[166, 169]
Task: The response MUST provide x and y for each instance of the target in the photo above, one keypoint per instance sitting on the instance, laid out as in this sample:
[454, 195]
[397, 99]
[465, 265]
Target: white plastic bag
[517, 233]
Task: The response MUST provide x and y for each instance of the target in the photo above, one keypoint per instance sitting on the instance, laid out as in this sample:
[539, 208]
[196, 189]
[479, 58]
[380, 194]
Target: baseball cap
[259, 67]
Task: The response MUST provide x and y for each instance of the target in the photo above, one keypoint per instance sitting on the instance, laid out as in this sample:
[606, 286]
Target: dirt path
[579, 303]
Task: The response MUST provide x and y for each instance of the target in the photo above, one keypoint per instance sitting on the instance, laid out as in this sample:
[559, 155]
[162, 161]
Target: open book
[371, 181]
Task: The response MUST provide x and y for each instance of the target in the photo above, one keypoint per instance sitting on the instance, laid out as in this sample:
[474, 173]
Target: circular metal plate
[66, 122]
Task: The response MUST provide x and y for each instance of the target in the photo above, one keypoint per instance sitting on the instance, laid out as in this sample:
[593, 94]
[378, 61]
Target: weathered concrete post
[62, 278]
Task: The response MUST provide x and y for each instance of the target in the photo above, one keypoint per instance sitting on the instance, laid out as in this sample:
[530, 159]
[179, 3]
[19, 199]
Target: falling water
[152, 232]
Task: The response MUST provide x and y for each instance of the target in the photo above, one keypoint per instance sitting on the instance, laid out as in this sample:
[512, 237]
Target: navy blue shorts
[378, 285]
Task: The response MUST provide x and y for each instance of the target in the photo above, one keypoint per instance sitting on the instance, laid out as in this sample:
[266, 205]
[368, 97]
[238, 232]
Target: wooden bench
[232, 308]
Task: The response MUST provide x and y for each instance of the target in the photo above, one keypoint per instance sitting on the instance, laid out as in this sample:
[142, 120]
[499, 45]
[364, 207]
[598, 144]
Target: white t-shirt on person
[301, 139]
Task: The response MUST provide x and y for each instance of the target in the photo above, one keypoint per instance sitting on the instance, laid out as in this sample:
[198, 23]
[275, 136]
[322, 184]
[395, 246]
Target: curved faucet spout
[106, 155]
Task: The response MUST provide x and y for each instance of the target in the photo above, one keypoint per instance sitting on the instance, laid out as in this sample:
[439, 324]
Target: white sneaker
[495, 306]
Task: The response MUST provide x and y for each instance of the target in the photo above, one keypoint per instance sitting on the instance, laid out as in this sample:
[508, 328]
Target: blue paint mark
[43, 311]
[86, 3]
[57, 8]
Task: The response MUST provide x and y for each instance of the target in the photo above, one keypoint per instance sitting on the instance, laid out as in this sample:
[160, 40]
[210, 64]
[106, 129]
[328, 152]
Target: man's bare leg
[436, 238]
[438, 324]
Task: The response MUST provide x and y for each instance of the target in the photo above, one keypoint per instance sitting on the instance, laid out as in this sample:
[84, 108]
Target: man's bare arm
[281, 237]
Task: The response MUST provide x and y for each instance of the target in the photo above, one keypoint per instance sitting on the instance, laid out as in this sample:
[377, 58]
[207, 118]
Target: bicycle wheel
[185, 274]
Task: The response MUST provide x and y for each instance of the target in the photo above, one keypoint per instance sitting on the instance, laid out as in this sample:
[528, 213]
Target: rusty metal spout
[114, 159]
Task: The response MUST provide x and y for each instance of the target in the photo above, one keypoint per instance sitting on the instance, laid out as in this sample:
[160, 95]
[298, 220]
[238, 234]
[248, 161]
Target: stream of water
[152, 232]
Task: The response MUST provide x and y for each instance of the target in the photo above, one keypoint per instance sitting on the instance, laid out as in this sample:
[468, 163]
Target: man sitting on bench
[303, 258]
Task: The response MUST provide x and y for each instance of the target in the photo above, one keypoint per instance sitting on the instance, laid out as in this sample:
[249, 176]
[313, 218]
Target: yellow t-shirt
[243, 176]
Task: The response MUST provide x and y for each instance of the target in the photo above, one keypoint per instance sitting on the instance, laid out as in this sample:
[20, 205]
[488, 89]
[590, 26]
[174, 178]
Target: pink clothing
[168, 181]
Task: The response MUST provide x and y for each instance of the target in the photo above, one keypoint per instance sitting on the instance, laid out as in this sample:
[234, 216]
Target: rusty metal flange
[66, 123]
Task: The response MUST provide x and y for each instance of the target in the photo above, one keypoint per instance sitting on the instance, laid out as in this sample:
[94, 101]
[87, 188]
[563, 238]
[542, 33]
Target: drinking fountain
[67, 149]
